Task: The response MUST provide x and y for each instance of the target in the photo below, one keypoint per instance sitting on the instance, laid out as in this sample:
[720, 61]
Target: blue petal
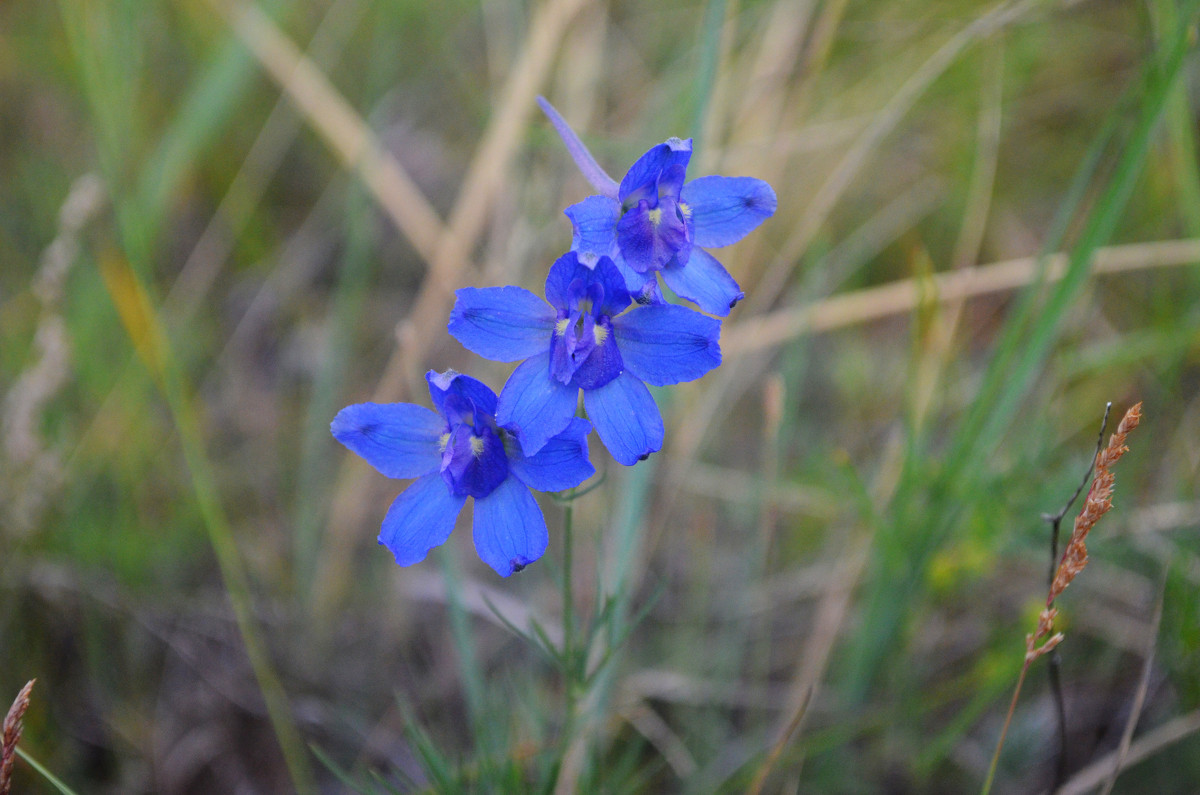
[603, 362]
[626, 418]
[454, 383]
[670, 181]
[505, 324]
[667, 344]
[570, 268]
[509, 529]
[398, 439]
[651, 237]
[726, 209]
[562, 464]
[641, 182]
[616, 294]
[592, 172]
[420, 519]
[705, 282]
[534, 406]
[558, 280]
[642, 287]
[594, 225]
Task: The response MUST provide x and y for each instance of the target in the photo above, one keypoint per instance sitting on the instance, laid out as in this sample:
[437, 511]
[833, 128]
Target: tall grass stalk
[149, 340]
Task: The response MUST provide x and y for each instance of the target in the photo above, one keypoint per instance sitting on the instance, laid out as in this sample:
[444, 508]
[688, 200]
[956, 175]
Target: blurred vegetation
[220, 225]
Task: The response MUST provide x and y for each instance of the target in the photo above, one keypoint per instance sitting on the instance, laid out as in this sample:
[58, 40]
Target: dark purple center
[583, 350]
[473, 458]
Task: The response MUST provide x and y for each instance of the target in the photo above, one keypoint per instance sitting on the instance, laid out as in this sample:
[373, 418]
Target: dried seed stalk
[1074, 559]
[12, 735]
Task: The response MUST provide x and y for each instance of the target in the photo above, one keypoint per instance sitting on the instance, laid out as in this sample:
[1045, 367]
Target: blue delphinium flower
[653, 221]
[587, 337]
[459, 452]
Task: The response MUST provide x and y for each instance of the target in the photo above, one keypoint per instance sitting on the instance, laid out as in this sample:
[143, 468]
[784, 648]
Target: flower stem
[570, 654]
[566, 769]
[987, 784]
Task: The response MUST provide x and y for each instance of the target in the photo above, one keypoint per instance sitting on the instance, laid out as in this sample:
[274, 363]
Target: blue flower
[654, 221]
[462, 452]
[587, 337]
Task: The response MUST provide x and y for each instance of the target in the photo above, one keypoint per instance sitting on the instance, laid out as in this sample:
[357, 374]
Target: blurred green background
[219, 224]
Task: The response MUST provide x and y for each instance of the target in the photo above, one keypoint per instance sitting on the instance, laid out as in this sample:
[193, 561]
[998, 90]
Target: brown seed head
[12, 735]
[1098, 502]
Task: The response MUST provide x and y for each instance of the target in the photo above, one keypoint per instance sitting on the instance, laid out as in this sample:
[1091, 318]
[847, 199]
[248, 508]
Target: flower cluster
[603, 329]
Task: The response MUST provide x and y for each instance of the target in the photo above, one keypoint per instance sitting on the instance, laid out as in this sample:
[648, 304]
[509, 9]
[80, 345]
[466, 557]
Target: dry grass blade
[851, 165]
[659, 734]
[249, 185]
[342, 127]
[1139, 698]
[12, 736]
[1147, 745]
[793, 726]
[875, 303]
[480, 190]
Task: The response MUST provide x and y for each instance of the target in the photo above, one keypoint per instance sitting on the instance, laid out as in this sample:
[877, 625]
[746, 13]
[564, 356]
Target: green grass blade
[914, 530]
[147, 333]
[54, 780]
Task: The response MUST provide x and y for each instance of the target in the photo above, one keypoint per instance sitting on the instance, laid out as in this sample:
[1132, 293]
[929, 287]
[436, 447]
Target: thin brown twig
[1090, 777]
[12, 736]
[1139, 697]
[793, 726]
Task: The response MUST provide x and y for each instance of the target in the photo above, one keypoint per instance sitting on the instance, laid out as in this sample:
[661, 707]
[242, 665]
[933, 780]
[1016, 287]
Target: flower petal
[651, 237]
[559, 278]
[570, 267]
[642, 287]
[398, 439]
[455, 383]
[505, 324]
[726, 209]
[592, 172]
[533, 405]
[603, 362]
[705, 282]
[561, 464]
[641, 181]
[594, 225]
[420, 519]
[616, 295]
[510, 531]
[626, 417]
[667, 344]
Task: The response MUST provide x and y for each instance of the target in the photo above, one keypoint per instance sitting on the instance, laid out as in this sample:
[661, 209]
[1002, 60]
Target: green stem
[145, 329]
[570, 655]
[46, 774]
